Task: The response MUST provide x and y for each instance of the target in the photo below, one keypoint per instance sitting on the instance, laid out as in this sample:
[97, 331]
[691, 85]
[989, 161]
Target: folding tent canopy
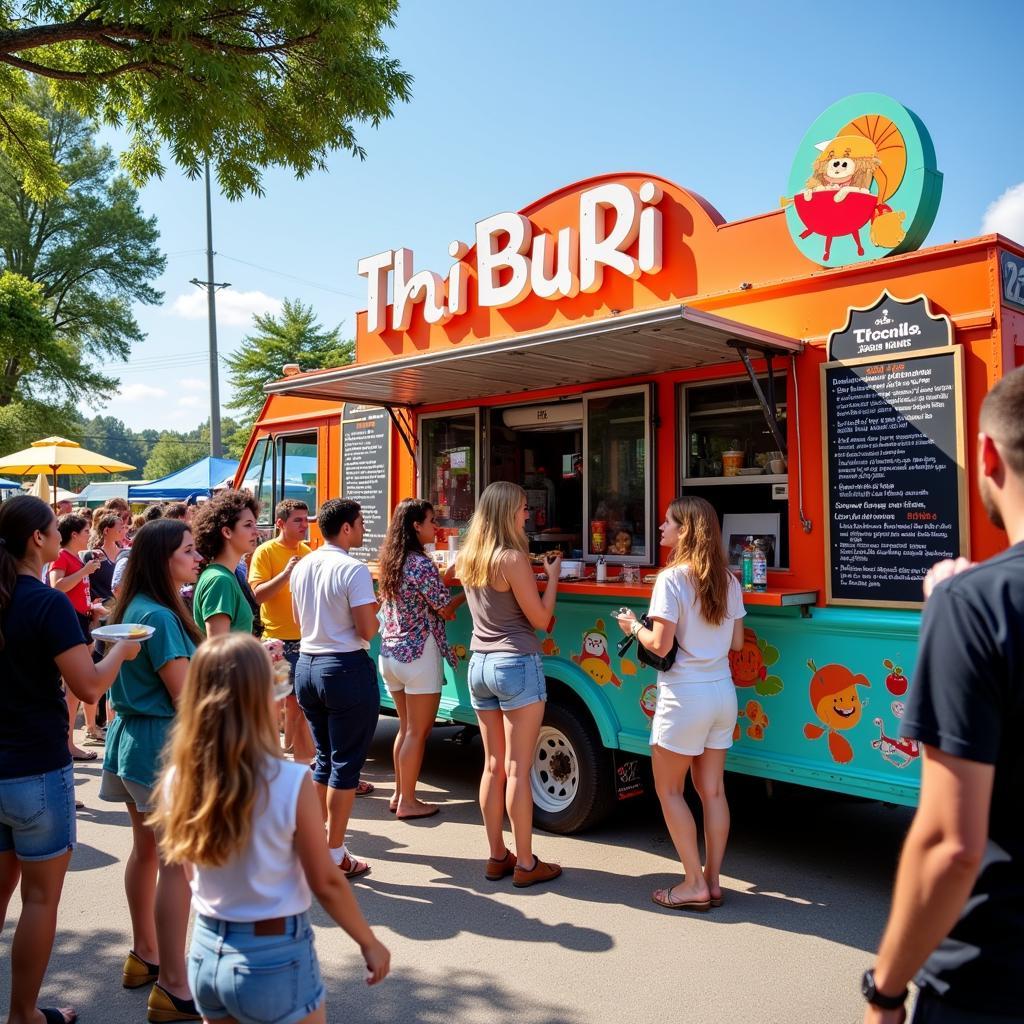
[96, 494]
[198, 479]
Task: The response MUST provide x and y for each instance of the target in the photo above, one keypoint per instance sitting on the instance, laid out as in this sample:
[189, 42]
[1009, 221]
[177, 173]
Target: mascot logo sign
[864, 183]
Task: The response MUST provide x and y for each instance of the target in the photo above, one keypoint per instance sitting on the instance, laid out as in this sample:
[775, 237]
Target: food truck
[813, 372]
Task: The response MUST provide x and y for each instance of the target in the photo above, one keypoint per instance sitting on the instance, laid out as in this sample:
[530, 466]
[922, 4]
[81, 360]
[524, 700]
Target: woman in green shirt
[225, 531]
[164, 559]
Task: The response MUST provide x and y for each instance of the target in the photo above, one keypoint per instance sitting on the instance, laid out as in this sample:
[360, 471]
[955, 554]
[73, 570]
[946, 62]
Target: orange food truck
[812, 372]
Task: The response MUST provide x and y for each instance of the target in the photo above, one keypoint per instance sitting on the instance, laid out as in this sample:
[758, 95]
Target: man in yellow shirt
[269, 572]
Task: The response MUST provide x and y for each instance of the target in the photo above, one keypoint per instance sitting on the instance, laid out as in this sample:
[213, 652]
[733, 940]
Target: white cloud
[140, 392]
[188, 401]
[1006, 214]
[192, 384]
[233, 308]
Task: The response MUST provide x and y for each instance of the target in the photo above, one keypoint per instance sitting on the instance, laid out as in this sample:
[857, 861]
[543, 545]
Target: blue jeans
[256, 979]
[339, 696]
[506, 681]
[37, 815]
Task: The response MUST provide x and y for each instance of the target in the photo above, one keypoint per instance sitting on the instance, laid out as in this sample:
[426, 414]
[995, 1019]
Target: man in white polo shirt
[335, 679]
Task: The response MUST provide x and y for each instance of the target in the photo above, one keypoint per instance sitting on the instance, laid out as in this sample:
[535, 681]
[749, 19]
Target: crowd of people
[225, 824]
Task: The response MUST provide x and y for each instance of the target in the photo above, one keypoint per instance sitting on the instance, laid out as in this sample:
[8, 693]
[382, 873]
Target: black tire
[589, 789]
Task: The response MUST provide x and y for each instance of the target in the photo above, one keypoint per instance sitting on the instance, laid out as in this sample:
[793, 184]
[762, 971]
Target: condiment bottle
[602, 570]
[759, 567]
[747, 564]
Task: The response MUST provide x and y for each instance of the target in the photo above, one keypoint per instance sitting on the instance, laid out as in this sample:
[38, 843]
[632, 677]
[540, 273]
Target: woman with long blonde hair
[698, 603]
[247, 825]
[506, 673]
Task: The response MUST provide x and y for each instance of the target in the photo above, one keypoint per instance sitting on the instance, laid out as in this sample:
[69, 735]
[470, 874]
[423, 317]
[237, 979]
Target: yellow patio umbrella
[55, 455]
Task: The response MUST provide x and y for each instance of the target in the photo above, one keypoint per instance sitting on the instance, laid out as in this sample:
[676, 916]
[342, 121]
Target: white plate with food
[123, 631]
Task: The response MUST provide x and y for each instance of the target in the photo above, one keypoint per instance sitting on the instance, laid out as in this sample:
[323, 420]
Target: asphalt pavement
[807, 883]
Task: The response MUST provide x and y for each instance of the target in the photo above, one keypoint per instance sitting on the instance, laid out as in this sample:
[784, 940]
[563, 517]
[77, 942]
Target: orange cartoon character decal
[750, 665]
[837, 705]
[755, 715]
[594, 658]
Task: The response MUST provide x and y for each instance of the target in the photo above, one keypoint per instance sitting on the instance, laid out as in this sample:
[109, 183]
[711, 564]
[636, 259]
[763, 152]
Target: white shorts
[424, 675]
[690, 718]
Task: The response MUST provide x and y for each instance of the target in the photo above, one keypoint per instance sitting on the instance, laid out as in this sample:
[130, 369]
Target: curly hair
[221, 512]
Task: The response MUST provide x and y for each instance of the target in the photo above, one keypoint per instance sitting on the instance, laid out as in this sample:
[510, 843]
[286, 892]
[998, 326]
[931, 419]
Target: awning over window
[634, 344]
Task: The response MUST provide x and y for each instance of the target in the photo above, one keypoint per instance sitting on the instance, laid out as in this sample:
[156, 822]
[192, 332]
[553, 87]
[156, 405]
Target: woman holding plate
[41, 641]
[698, 603]
[164, 559]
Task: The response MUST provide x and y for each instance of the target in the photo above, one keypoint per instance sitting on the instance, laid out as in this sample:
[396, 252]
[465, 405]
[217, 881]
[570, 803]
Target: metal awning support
[404, 427]
[768, 406]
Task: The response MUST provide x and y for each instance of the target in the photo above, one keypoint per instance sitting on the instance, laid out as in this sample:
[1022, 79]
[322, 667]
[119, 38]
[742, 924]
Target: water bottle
[602, 570]
[759, 567]
[747, 564]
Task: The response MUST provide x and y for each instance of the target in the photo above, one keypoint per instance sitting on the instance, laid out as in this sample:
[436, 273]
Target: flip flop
[410, 817]
[716, 901]
[358, 867]
[86, 755]
[364, 788]
[670, 903]
[54, 1016]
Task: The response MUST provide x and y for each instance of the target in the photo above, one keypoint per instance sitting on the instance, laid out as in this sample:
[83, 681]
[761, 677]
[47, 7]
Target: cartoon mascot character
[594, 658]
[837, 706]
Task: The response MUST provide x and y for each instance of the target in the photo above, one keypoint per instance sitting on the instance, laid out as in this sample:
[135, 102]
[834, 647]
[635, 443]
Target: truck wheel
[571, 776]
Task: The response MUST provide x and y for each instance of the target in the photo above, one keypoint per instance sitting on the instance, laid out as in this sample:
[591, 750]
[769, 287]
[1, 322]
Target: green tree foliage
[293, 337]
[171, 453]
[25, 421]
[109, 435]
[251, 85]
[92, 253]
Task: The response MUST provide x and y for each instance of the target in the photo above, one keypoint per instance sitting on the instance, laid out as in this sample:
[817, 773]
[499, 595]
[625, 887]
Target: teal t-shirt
[145, 711]
[218, 592]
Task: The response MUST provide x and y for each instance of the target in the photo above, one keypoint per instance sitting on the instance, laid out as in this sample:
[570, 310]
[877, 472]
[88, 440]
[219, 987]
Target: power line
[293, 277]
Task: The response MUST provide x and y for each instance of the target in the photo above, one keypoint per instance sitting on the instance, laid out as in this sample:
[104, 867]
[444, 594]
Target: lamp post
[211, 286]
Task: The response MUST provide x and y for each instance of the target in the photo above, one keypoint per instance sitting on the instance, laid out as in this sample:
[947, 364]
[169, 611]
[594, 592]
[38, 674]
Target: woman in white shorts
[414, 606]
[697, 602]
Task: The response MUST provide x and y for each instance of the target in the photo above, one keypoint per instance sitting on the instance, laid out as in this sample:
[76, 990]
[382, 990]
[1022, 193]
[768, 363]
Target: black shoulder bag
[660, 663]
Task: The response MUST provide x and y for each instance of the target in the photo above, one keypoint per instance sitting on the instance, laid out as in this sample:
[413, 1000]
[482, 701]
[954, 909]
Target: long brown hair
[699, 547]
[20, 518]
[492, 529]
[399, 542]
[148, 572]
[217, 752]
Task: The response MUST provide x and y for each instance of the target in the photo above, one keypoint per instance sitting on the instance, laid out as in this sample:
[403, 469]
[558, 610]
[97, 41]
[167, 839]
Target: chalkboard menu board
[366, 471]
[894, 471]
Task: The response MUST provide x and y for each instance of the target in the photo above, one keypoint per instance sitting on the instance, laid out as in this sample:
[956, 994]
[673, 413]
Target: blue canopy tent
[199, 480]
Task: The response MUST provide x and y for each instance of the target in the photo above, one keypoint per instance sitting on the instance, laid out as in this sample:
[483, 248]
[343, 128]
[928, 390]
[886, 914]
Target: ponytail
[20, 518]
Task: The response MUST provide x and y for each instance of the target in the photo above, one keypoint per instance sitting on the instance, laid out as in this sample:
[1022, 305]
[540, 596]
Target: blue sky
[512, 101]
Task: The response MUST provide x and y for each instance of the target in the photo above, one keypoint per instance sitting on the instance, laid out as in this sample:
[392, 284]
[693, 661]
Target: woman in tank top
[697, 602]
[506, 673]
[247, 825]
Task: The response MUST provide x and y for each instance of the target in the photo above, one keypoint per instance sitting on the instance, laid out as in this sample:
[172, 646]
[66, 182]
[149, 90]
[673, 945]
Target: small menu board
[366, 471]
[894, 455]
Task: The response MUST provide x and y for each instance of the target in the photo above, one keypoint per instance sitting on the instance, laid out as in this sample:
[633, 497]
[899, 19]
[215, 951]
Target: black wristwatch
[879, 999]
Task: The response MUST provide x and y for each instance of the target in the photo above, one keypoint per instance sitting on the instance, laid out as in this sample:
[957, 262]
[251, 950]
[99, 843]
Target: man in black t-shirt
[958, 905]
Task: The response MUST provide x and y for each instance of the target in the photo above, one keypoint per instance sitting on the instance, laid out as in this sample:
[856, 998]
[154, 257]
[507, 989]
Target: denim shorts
[506, 681]
[37, 815]
[256, 979]
[340, 697]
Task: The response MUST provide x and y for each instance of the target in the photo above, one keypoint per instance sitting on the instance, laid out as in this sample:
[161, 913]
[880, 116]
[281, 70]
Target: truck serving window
[617, 469]
[448, 467]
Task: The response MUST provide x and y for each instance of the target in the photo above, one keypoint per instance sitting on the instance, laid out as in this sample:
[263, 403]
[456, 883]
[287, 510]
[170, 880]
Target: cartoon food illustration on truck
[594, 658]
[750, 665]
[837, 705]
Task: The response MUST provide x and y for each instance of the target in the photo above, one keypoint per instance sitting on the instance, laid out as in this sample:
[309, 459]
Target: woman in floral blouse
[414, 606]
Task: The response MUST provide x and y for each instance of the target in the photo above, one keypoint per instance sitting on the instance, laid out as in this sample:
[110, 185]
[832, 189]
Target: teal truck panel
[820, 696]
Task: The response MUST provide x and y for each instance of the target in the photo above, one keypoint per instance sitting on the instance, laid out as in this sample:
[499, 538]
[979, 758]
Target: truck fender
[592, 696]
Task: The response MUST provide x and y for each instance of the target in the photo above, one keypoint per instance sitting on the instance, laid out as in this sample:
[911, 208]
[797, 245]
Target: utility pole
[211, 286]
